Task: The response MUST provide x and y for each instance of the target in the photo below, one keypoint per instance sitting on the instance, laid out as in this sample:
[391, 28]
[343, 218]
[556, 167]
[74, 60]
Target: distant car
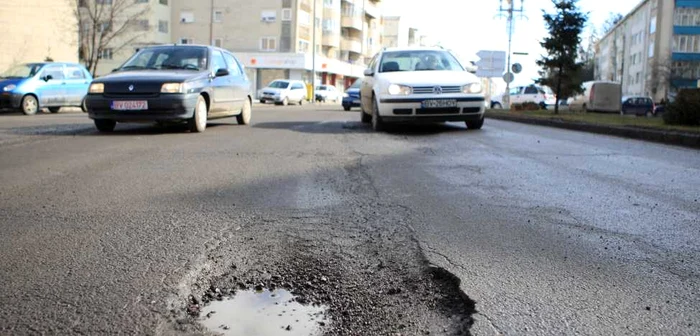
[541, 95]
[326, 93]
[420, 85]
[172, 83]
[351, 98]
[637, 105]
[283, 92]
[32, 86]
[599, 96]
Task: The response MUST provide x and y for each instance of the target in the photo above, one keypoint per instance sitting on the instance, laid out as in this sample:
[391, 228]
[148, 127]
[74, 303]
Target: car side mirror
[369, 72]
[47, 78]
[115, 69]
[222, 72]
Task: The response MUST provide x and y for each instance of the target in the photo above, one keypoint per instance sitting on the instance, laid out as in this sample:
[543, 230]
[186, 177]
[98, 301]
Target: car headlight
[97, 88]
[396, 89]
[9, 87]
[172, 88]
[472, 88]
[345, 95]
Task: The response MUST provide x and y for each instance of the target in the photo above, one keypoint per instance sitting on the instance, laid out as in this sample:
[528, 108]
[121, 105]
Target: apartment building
[654, 50]
[399, 32]
[273, 38]
[26, 40]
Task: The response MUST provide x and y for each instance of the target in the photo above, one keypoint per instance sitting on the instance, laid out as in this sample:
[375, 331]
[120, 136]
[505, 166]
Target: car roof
[60, 63]
[413, 49]
[185, 46]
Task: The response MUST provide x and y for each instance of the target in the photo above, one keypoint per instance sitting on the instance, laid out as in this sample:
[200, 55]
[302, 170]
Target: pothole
[263, 313]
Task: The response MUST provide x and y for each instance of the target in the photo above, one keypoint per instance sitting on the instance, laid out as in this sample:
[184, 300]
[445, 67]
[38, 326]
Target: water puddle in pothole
[263, 313]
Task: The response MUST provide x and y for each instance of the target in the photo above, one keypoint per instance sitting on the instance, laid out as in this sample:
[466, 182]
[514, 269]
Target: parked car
[541, 95]
[32, 86]
[326, 93]
[600, 96]
[420, 85]
[351, 98]
[637, 105]
[172, 83]
[283, 92]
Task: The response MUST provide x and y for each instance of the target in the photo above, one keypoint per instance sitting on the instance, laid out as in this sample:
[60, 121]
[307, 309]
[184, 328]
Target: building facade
[399, 33]
[273, 38]
[26, 40]
[654, 50]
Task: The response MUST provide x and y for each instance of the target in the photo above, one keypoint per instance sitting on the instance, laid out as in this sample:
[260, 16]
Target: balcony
[352, 22]
[330, 39]
[371, 9]
[351, 45]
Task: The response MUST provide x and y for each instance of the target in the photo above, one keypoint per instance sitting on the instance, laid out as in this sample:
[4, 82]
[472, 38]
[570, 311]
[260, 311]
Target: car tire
[244, 117]
[285, 101]
[198, 122]
[105, 125]
[496, 106]
[475, 125]
[347, 108]
[30, 105]
[83, 105]
[377, 122]
[543, 106]
[54, 109]
[649, 114]
[301, 102]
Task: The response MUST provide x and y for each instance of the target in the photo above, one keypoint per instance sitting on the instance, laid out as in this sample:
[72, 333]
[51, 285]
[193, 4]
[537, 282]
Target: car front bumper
[9, 100]
[162, 107]
[403, 109]
[351, 101]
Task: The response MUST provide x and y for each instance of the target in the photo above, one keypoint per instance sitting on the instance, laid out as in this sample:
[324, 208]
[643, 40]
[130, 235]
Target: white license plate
[438, 103]
[356, 101]
[130, 105]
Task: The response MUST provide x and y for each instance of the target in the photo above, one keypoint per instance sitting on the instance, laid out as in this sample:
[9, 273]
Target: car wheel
[30, 105]
[475, 125]
[54, 109]
[649, 114]
[347, 108]
[377, 123]
[244, 117]
[496, 106]
[301, 102]
[285, 101]
[198, 122]
[105, 125]
[83, 106]
[543, 106]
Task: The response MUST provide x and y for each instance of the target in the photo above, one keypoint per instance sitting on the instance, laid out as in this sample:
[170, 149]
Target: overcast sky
[467, 26]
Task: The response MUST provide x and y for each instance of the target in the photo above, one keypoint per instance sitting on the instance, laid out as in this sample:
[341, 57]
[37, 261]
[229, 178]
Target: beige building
[273, 38]
[25, 38]
[150, 25]
[400, 33]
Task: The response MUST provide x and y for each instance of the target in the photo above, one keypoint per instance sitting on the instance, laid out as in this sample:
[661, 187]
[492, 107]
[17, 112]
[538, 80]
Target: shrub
[685, 110]
[531, 106]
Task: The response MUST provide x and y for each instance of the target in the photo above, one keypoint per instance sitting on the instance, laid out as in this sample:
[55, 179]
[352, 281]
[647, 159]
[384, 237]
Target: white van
[601, 96]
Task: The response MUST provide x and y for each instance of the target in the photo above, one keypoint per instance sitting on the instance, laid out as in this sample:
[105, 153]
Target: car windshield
[22, 71]
[356, 85]
[279, 85]
[419, 60]
[167, 58]
[321, 88]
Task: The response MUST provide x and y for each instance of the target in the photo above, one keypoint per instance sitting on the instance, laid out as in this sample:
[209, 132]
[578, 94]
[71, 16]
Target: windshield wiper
[135, 67]
[179, 67]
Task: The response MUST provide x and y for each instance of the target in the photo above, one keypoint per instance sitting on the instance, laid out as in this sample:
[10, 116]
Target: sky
[467, 26]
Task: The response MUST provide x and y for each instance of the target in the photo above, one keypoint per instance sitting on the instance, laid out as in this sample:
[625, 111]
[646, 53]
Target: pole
[510, 42]
[313, 56]
[211, 24]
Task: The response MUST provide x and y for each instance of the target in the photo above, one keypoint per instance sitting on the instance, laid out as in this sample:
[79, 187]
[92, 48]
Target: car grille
[431, 89]
[442, 110]
[131, 95]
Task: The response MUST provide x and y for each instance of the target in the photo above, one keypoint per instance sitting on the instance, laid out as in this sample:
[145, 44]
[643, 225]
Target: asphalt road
[549, 232]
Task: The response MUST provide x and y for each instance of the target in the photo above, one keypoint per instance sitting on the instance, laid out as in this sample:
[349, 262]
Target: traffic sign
[509, 77]
[492, 63]
[517, 68]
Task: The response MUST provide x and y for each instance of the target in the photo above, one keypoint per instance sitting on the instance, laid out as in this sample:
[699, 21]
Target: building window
[164, 2]
[186, 40]
[268, 16]
[652, 25]
[638, 77]
[651, 49]
[268, 44]
[287, 14]
[218, 42]
[329, 3]
[218, 16]
[303, 46]
[329, 25]
[143, 25]
[304, 18]
[106, 54]
[163, 26]
[141, 1]
[186, 17]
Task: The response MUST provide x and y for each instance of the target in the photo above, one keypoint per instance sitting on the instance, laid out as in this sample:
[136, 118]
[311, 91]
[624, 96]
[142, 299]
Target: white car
[326, 93]
[541, 95]
[420, 85]
[283, 92]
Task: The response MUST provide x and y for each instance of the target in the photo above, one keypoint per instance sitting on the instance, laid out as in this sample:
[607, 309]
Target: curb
[665, 137]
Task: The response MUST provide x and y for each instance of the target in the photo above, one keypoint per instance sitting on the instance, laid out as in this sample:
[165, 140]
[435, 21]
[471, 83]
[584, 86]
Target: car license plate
[356, 101]
[438, 103]
[130, 105]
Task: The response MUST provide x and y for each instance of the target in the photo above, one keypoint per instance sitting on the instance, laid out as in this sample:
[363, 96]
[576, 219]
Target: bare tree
[612, 20]
[660, 79]
[108, 24]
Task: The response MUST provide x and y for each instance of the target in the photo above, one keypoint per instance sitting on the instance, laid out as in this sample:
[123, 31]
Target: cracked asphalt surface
[542, 231]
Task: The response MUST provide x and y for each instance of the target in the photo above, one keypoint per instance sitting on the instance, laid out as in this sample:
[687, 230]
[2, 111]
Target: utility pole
[211, 23]
[313, 55]
[509, 9]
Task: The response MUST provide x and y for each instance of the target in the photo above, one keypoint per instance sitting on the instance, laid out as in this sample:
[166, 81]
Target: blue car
[33, 86]
[351, 98]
